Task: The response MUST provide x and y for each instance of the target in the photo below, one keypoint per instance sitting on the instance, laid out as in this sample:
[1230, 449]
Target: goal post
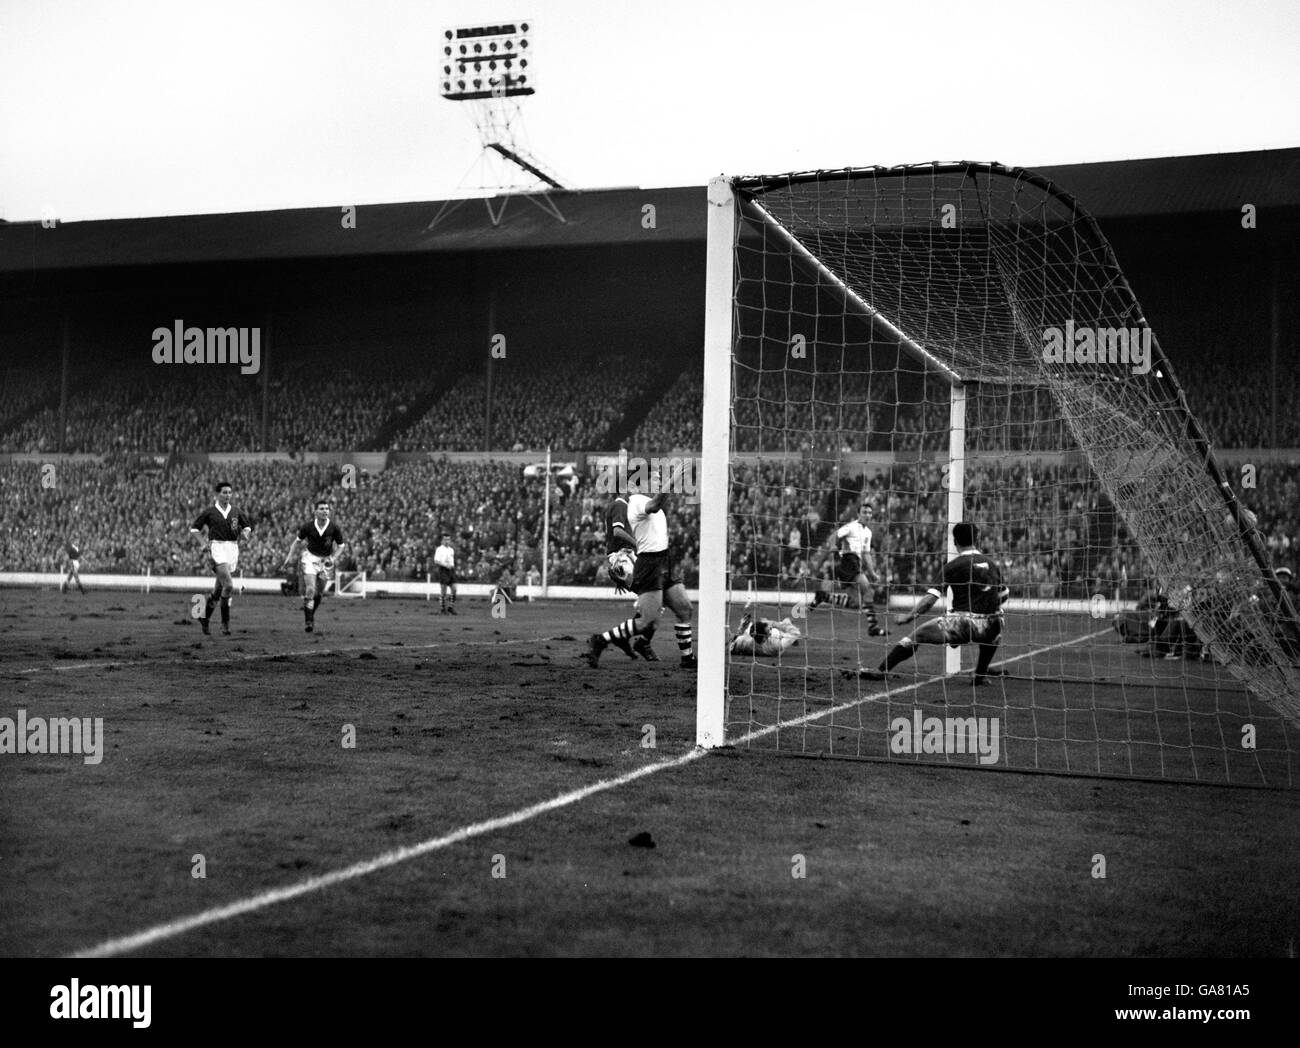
[715, 465]
[956, 342]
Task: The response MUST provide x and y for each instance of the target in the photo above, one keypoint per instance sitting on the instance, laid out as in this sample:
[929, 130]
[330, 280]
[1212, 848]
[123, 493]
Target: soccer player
[445, 559]
[71, 568]
[856, 569]
[638, 524]
[320, 540]
[225, 527]
[759, 636]
[976, 616]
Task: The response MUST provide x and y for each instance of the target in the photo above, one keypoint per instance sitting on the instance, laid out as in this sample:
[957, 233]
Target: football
[621, 564]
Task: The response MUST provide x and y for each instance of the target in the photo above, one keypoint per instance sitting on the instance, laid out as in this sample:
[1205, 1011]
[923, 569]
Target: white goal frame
[715, 472]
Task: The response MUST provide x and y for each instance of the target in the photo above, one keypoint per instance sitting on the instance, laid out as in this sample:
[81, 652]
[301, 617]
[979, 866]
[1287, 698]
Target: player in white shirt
[444, 558]
[640, 559]
[856, 569]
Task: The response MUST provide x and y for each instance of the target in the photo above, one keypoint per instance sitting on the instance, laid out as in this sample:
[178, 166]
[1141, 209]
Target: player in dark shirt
[976, 616]
[320, 539]
[71, 568]
[225, 526]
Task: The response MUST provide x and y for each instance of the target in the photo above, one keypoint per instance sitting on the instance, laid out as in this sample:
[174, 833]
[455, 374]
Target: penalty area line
[171, 929]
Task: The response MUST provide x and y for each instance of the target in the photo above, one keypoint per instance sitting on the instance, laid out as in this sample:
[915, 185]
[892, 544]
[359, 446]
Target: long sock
[869, 610]
[623, 631]
[684, 638]
[987, 651]
[225, 611]
[315, 603]
[900, 652]
[209, 602]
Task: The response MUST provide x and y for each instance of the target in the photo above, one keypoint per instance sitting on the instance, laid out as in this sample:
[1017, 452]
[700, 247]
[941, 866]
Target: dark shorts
[849, 568]
[446, 576]
[655, 573]
[963, 627]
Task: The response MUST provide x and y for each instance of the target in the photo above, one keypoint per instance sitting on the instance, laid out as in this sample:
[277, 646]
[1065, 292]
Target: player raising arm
[225, 526]
[320, 540]
[639, 557]
[976, 616]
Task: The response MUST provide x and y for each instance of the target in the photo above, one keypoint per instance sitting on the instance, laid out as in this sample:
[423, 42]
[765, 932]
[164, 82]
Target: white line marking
[252, 903]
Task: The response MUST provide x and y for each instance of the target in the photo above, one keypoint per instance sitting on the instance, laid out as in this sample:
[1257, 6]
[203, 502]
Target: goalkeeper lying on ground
[764, 636]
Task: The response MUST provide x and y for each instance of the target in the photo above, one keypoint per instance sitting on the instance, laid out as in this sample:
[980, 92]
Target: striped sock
[684, 640]
[623, 631]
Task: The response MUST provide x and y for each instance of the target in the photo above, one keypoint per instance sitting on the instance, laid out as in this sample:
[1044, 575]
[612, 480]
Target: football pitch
[401, 783]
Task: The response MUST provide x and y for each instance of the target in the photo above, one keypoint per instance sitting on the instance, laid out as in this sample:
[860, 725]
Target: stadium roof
[1182, 185]
[592, 218]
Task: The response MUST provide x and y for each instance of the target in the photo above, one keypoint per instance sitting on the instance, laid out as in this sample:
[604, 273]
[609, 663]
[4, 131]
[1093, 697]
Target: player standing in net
[444, 558]
[71, 568]
[320, 540]
[856, 570]
[636, 529]
[225, 526]
[976, 616]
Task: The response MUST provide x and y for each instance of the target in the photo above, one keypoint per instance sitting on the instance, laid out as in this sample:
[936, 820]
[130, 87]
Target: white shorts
[313, 565]
[74, 566]
[226, 553]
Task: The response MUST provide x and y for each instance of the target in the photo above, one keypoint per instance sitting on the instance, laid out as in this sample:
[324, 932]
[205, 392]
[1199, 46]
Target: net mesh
[864, 298]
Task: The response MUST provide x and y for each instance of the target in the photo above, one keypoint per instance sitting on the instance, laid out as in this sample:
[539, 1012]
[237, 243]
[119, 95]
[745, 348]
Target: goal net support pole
[956, 490]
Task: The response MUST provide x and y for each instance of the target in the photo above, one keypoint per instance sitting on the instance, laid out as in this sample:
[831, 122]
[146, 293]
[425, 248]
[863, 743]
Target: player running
[976, 616]
[856, 570]
[71, 568]
[225, 526]
[320, 540]
[636, 529]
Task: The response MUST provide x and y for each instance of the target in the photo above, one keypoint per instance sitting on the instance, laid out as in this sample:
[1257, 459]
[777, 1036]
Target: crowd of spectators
[319, 405]
[332, 402]
[567, 404]
[674, 422]
[1050, 527]
[1234, 402]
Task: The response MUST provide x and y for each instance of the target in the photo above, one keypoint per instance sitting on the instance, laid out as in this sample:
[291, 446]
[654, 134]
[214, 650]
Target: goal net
[957, 343]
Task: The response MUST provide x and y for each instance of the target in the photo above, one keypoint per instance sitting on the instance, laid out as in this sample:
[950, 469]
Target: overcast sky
[132, 107]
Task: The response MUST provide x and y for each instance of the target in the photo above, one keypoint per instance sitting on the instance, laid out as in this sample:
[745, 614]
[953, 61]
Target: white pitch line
[252, 903]
[819, 714]
[256, 902]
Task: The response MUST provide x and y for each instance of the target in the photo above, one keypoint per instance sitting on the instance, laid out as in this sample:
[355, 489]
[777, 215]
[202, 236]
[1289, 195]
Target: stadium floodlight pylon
[969, 321]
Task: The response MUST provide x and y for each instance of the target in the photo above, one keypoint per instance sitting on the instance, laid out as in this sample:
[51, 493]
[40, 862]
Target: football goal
[893, 351]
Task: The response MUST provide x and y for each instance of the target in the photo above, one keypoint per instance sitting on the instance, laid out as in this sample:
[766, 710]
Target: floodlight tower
[491, 68]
